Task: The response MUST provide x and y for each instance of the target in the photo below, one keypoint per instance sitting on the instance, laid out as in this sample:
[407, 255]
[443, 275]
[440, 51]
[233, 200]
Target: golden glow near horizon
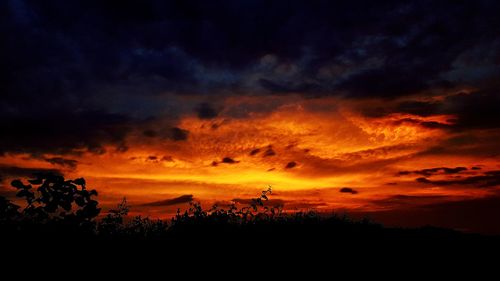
[330, 144]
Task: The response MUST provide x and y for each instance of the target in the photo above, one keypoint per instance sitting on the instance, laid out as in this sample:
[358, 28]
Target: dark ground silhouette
[61, 217]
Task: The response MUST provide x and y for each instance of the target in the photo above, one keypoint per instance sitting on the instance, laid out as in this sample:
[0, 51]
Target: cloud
[75, 85]
[289, 87]
[476, 143]
[254, 151]
[178, 134]
[168, 133]
[465, 106]
[20, 172]
[330, 49]
[150, 133]
[269, 152]
[167, 158]
[70, 163]
[420, 108]
[229, 160]
[476, 110]
[466, 214]
[81, 89]
[206, 111]
[390, 81]
[381, 152]
[348, 190]
[298, 205]
[169, 202]
[423, 123]
[488, 179]
[61, 131]
[435, 171]
[404, 201]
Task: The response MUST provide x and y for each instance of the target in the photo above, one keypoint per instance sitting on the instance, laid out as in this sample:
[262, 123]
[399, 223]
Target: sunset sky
[386, 109]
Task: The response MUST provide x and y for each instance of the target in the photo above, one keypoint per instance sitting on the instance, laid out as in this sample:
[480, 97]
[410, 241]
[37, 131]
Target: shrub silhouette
[52, 204]
[113, 225]
[232, 215]
[57, 199]
[58, 204]
[55, 207]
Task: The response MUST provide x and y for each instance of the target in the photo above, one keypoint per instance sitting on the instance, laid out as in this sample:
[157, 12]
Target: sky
[385, 109]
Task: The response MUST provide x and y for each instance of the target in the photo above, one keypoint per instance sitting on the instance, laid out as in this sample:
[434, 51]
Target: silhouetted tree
[112, 223]
[54, 202]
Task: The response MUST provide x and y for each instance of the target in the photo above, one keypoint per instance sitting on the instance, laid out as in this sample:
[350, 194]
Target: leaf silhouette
[25, 193]
[18, 184]
[79, 181]
[35, 181]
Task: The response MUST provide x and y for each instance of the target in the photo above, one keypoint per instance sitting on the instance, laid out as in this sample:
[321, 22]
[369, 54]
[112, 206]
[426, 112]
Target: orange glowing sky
[331, 143]
[388, 110]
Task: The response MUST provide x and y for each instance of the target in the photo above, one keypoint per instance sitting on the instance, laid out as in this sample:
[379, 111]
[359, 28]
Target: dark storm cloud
[70, 163]
[150, 133]
[427, 124]
[198, 46]
[67, 65]
[475, 110]
[173, 133]
[400, 200]
[488, 179]
[206, 111]
[290, 87]
[435, 171]
[178, 134]
[169, 202]
[19, 172]
[61, 131]
[384, 82]
[419, 107]
[468, 143]
[475, 215]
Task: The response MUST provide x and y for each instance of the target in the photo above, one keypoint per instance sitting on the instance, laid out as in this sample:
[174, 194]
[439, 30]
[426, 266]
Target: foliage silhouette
[113, 225]
[59, 210]
[52, 204]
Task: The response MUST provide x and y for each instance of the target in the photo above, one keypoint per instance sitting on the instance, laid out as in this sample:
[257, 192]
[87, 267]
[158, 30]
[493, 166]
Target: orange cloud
[308, 150]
